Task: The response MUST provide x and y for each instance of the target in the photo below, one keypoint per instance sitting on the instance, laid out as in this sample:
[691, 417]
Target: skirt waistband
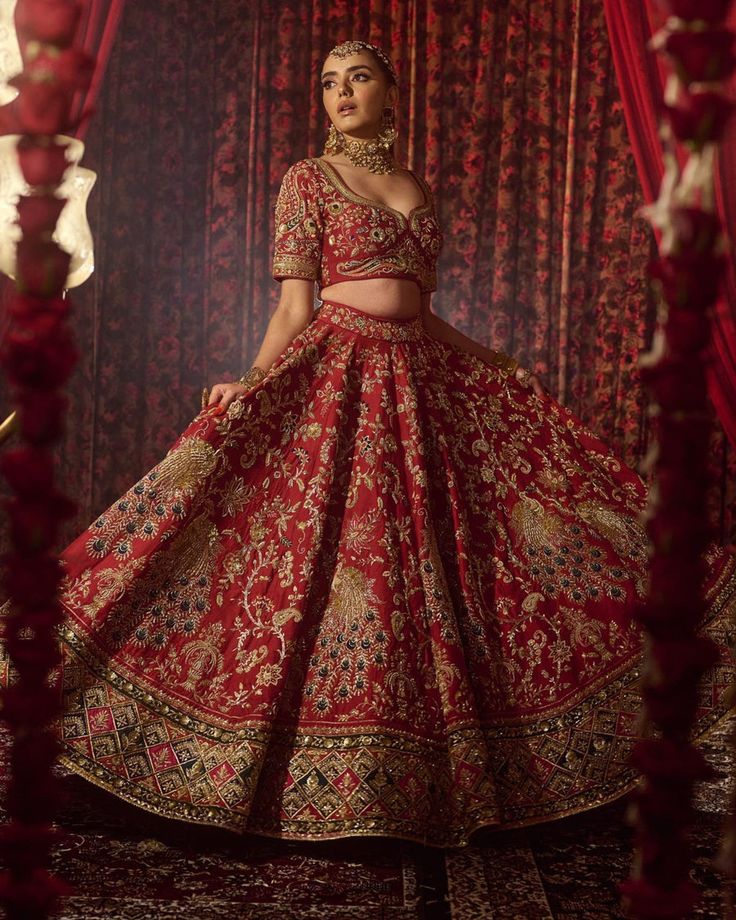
[389, 328]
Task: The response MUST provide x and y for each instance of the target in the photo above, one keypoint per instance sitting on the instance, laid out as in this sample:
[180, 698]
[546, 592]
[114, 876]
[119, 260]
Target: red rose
[681, 441]
[40, 362]
[35, 579]
[41, 416]
[35, 893]
[34, 655]
[38, 214]
[692, 10]
[699, 117]
[72, 67]
[676, 530]
[40, 617]
[701, 56]
[26, 308]
[42, 107]
[663, 759]
[29, 471]
[33, 527]
[52, 21]
[646, 898]
[42, 267]
[685, 490]
[671, 709]
[687, 331]
[683, 661]
[48, 796]
[674, 384]
[689, 280]
[696, 230]
[666, 620]
[41, 164]
[29, 705]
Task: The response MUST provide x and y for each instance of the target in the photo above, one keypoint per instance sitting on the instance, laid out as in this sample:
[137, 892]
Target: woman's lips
[347, 111]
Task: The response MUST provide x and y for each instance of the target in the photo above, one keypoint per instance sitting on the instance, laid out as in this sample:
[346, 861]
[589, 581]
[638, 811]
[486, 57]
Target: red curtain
[641, 76]
[511, 110]
[97, 30]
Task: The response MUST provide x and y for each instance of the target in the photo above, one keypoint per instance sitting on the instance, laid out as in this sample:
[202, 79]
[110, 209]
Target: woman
[382, 584]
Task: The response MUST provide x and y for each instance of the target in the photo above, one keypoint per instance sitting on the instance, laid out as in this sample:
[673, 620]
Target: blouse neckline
[338, 182]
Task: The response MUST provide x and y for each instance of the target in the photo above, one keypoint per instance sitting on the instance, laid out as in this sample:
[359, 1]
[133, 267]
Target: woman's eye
[326, 84]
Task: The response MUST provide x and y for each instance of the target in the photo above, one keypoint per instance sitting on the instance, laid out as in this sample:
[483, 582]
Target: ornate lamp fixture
[72, 232]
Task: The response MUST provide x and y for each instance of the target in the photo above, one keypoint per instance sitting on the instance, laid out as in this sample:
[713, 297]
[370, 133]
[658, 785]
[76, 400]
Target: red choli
[325, 232]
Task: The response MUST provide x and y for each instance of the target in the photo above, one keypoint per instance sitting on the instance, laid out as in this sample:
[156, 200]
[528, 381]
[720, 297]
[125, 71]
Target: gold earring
[335, 141]
[387, 133]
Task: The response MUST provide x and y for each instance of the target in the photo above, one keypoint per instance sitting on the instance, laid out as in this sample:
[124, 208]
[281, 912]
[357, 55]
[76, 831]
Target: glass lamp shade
[72, 231]
[11, 62]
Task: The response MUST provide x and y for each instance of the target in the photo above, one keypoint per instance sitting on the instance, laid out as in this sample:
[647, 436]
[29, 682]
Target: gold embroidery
[187, 465]
[367, 559]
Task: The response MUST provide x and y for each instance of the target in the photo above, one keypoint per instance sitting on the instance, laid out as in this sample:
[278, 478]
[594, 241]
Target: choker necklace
[372, 154]
[376, 153]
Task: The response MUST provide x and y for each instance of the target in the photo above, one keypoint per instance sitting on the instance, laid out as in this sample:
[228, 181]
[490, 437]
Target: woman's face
[356, 80]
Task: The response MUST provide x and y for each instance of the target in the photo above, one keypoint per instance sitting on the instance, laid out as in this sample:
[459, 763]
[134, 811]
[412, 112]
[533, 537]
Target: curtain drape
[641, 76]
[512, 112]
[97, 30]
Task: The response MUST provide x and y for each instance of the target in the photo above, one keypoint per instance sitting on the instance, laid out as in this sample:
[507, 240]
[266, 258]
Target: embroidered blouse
[326, 233]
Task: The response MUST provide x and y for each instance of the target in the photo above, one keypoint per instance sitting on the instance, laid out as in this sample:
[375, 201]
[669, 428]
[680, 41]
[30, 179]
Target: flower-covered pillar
[687, 275]
[37, 355]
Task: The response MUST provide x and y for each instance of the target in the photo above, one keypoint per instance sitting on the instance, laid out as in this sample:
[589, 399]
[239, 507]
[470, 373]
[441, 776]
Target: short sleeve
[298, 226]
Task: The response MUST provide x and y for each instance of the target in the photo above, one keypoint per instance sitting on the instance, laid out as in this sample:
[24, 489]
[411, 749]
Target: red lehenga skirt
[386, 593]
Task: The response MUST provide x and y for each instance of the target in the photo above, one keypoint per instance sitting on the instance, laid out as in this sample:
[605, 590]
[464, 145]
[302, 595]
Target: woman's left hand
[528, 379]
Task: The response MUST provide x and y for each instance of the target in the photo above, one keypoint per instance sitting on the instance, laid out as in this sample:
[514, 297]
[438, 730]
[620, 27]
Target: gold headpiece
[345, 49]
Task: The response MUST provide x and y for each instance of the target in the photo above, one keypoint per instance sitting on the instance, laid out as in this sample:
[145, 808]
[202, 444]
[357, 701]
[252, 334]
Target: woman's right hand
[222, 395]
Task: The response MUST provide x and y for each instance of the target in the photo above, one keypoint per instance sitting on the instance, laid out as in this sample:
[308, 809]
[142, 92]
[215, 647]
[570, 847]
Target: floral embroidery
[388, 593]
[326, 233]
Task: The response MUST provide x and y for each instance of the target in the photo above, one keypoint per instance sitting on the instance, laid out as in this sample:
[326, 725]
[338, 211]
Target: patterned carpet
[126, 864]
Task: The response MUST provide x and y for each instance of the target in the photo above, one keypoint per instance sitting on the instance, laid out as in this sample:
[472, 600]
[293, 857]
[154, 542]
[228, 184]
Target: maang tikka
[375, 154]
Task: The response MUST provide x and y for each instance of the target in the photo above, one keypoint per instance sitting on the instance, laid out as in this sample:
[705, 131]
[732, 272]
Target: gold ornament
[375, 153]
[252, 377]
[345, 49]
[505, 362]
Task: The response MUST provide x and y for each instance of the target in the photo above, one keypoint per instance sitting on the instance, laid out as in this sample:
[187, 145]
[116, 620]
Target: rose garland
[687, 276]
[38, 355]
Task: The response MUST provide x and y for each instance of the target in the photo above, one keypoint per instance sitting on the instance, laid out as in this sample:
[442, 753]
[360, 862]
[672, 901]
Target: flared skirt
[387, 592]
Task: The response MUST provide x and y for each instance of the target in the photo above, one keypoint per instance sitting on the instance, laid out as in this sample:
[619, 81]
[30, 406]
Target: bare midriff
[395, 298]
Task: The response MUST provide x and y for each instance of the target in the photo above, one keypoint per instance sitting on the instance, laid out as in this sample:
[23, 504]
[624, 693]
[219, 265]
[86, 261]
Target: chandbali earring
[376, 153]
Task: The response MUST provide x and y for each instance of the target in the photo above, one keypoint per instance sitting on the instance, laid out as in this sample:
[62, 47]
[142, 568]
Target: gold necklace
[372, 154]
[375, 153]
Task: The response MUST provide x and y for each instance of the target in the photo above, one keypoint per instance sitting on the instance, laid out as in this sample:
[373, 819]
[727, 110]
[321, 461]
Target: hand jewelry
[505, 362]
[252, 377]
[525, 377]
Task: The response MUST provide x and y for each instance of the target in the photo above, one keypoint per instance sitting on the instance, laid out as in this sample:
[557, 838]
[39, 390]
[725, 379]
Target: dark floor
[126, 864]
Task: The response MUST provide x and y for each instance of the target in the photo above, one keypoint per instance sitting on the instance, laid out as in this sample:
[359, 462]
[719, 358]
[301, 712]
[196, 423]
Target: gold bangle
[505, 362]
[525, 377]
[252, 377]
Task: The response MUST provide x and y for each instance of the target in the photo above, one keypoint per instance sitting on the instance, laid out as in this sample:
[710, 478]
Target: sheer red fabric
[641, 80]
[387, 592]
